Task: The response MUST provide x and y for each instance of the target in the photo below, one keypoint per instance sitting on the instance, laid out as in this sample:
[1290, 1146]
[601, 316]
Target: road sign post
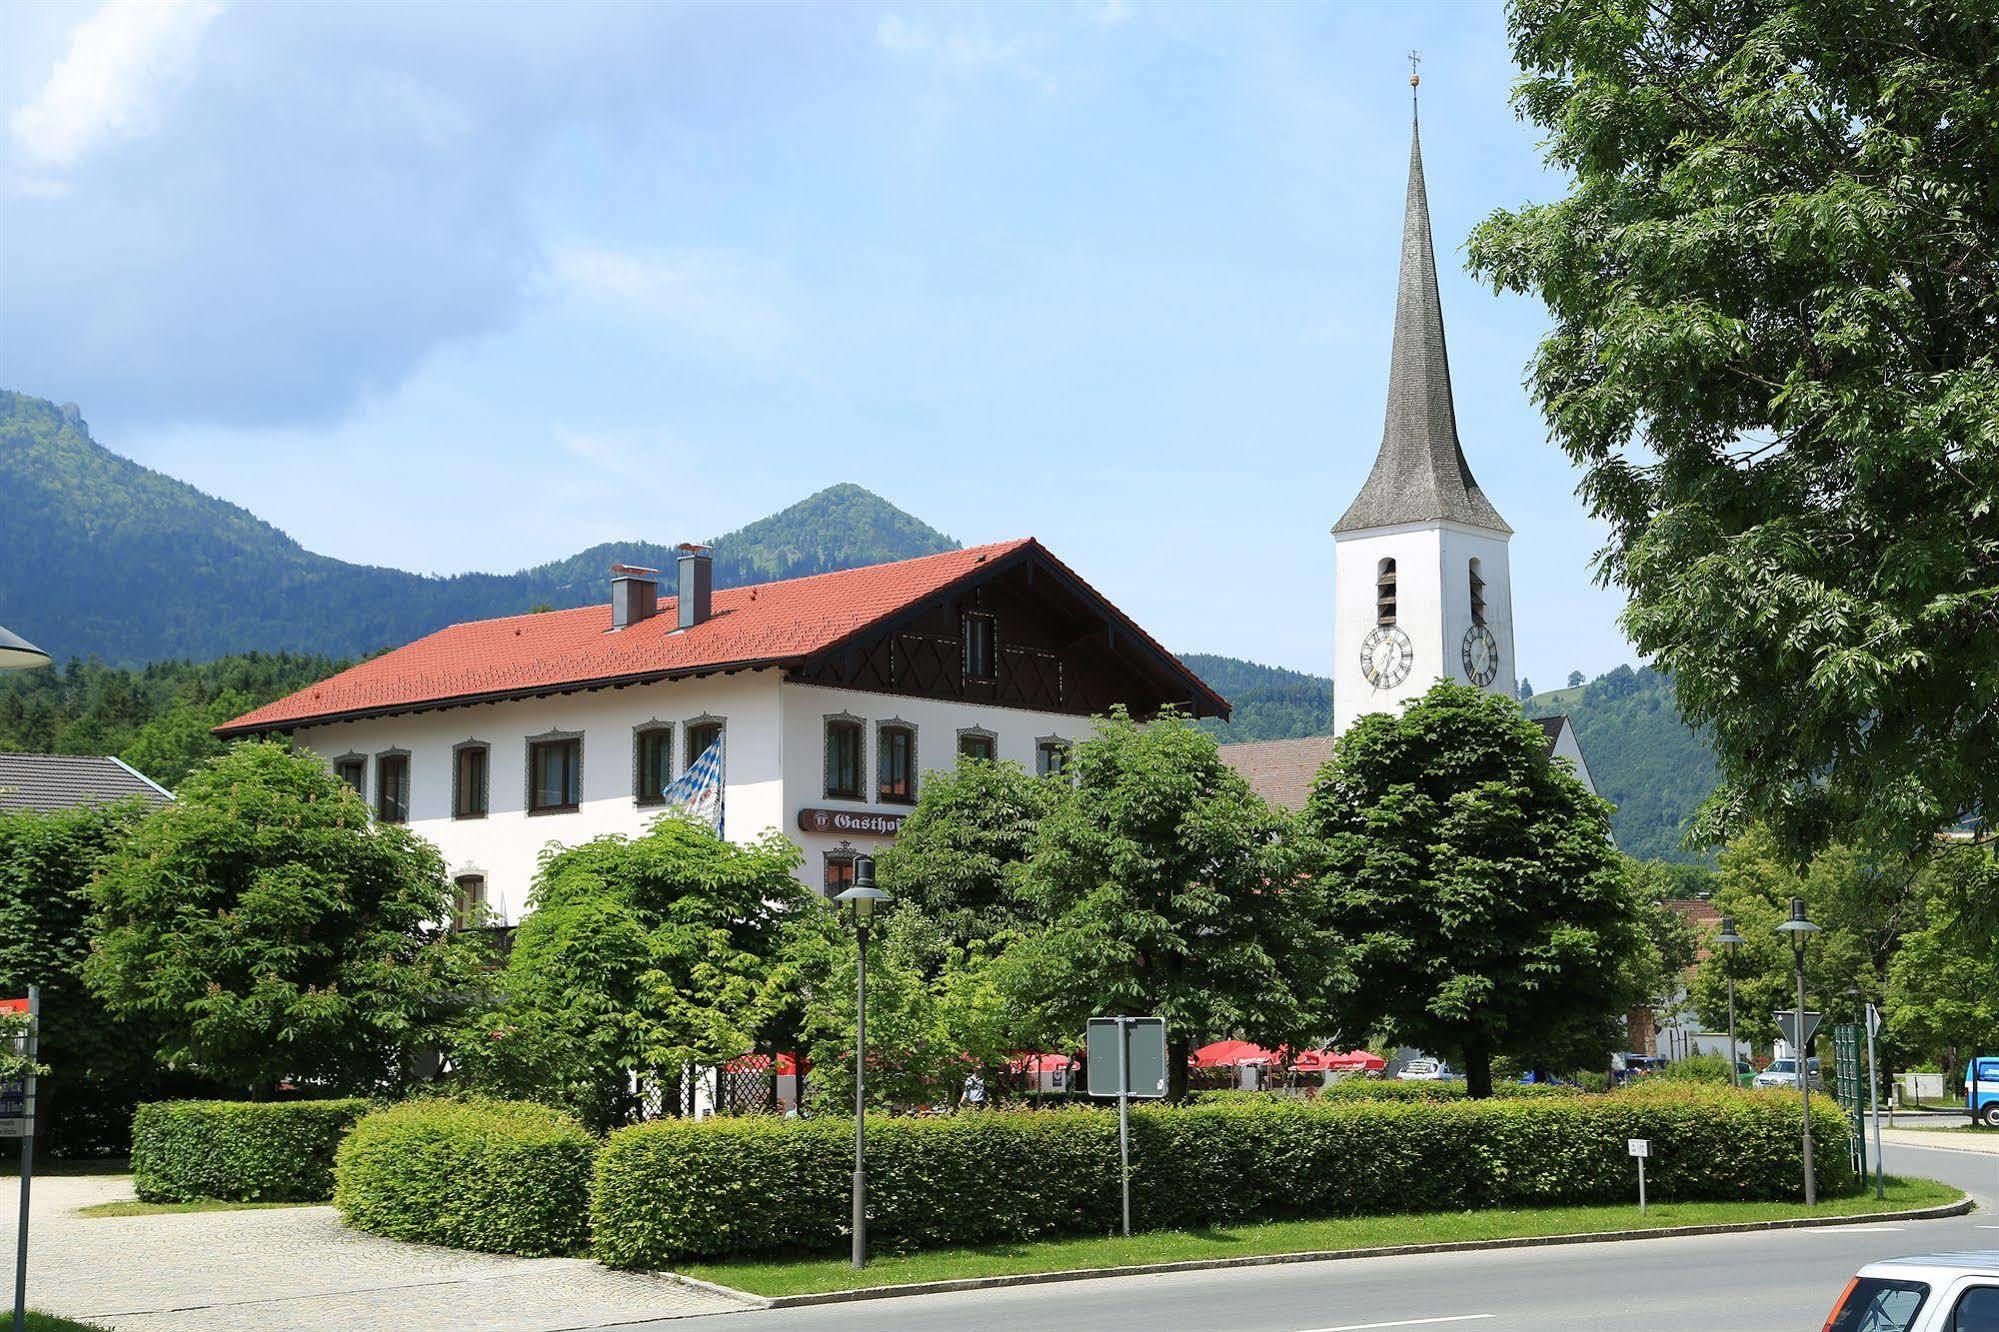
[1136, 1048]
[1799, 1025]
[21, 1124]
[1640, 1148]
[1873, 1020]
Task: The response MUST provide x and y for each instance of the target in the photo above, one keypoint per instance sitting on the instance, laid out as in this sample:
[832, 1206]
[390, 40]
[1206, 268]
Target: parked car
[1784, 1073]
[1427, 1070]
[1624, 1067]
[1942, 1292]
[1981, 1090]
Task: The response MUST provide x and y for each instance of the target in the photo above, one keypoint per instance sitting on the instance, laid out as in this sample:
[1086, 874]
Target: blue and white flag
[698, 792]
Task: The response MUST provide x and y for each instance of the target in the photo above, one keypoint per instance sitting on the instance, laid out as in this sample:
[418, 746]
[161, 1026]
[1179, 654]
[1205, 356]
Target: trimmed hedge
[1377, 1089]
[239, 1151]
[496, 1176]
[670, 1191]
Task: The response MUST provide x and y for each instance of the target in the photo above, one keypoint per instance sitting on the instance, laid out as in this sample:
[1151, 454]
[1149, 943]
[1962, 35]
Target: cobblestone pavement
[290, 1269]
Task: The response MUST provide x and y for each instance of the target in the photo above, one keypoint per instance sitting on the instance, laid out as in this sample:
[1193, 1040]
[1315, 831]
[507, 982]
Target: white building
[832, 696]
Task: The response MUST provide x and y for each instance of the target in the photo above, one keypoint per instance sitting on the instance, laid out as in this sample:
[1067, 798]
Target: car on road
[1981, 1090]
[1784, 1073]
[1940, 1292]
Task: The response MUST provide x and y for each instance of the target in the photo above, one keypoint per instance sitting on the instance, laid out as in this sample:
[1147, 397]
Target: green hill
[1644, 758]
[108, 559]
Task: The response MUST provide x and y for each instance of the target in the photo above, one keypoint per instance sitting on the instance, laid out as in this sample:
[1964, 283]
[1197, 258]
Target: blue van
[1981, 1090]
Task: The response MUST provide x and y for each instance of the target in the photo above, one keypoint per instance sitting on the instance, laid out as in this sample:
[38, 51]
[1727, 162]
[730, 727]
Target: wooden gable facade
[1025, 632]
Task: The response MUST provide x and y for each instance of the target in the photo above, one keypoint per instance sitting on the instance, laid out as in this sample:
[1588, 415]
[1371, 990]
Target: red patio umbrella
[1042, 1063]
[1232, 1054]
[1343, 1061]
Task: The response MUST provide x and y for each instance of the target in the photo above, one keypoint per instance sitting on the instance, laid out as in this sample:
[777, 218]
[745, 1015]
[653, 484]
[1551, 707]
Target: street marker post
[1640, 1148]
[1136, 1048]
[17, 1120]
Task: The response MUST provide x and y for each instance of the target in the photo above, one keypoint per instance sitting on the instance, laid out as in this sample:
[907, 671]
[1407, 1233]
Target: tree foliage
[1474, 878]
[1774, 283]
[267, 929]
[1942, 999]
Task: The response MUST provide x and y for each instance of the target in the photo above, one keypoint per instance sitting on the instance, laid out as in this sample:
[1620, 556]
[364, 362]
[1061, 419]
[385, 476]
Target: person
[975, 1091]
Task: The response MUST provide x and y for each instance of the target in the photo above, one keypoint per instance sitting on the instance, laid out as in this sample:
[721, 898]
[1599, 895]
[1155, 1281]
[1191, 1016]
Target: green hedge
[671, 1191]
[1375, 1089]
[240, 1151]
[497, 1176]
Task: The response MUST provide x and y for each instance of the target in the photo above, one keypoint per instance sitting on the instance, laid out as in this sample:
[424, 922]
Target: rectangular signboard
[1638, 1146]
[1144, 1056]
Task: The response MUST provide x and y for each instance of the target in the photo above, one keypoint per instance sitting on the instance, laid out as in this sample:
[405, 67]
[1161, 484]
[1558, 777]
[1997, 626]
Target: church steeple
[1420, 475]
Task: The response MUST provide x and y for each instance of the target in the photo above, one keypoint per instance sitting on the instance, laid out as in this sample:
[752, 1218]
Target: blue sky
[458, 287]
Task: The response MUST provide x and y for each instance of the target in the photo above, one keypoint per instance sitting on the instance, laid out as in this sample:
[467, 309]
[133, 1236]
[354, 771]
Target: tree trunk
[1176, 1070]
[1478, 1071]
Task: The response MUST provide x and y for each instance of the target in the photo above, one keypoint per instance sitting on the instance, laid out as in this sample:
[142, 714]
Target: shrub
[1696, 1068]
[240, 1151]
[497, 1176]
[670, 1191]
[1370, 1089]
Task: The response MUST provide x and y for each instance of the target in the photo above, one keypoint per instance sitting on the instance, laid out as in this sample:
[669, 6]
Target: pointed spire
[1420, 475]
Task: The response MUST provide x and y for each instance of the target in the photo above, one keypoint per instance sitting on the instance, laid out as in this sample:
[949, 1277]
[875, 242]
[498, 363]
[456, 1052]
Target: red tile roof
[521, 655]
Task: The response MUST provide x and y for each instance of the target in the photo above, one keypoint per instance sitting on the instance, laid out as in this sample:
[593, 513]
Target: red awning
[1321, 1061]
[1041, 1063]
[1232, 1054]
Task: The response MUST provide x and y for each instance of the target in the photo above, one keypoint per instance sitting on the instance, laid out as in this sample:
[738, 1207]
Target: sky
[453, 287]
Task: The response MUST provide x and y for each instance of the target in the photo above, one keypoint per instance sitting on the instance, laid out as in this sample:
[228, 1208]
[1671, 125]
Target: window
[702, 734]
[468, 901]
[1384, 593]
[1874, 1304]
[981, 647]
[468, 781]
[555, 774]
[839, 872]
[843, 758]
[392, 788]
[1051, 757]
[1477, 595]
[977, 745]
[353, 770]
[895, 761]
[1977, 1311]
[652, 764]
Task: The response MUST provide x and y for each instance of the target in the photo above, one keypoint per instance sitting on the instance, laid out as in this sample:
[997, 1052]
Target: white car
[1425, 1070]
[1943, 1292]
[1783, 1073]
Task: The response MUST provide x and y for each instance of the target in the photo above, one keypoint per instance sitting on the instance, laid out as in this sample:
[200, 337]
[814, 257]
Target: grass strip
[133, 1207]
[814, 1273]
[41, 1322]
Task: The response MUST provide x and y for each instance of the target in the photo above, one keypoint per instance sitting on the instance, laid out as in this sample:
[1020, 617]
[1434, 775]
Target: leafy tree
[1525, 691]
[99, 1067]
[268, 929]
[1942, 1002]
[959, 855]
[1774, 283]
[642, 955]
[1575, 679]
[1475, 879]
[1168, 887]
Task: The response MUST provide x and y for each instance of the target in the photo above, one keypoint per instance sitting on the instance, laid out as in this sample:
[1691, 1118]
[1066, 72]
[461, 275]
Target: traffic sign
[1787, 1023]
[1638, 1146]
[1144, 1057]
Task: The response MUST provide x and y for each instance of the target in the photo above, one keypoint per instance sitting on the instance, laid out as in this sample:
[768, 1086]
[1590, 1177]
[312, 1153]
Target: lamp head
[1798, 925]
[863, 895]
[1728, 938]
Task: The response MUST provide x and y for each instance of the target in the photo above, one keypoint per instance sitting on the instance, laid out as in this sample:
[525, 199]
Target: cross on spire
[1414, 79]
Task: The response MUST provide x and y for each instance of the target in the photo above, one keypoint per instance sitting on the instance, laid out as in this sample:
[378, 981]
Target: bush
[240, 1151]
[1696, 1068]
[1371, 1089]
[671, 1191]
[497, 1176]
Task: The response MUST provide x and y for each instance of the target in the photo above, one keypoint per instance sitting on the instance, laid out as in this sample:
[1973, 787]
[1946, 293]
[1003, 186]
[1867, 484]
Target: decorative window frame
[639, 733]
[845, 852]
[458, 913]
[456, 804]
[965, 618]
[861, 769]
[354, 756]
[963, 731]
[527, 781]
[1061, 742]
[409, 783]
[687, 728]
[915, 781]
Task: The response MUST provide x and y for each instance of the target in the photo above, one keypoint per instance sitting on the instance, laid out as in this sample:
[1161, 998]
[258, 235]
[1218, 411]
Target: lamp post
[1800, 929]
[18, 654]
[1730, 941]
[863, 895]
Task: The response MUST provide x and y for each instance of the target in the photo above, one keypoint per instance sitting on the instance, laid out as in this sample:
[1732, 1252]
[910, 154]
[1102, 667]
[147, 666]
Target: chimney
[697, 584]
[634, 594]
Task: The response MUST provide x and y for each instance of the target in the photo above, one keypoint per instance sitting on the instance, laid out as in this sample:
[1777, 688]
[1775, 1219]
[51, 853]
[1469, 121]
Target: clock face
[1385, 656]
[1480, 655]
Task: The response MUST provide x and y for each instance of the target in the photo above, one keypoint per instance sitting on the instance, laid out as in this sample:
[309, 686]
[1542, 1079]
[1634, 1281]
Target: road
[1754, 1282]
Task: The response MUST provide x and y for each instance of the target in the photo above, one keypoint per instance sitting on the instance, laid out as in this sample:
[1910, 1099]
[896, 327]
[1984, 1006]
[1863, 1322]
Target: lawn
[807, 1274]
[133, 1207]
[41, 1322]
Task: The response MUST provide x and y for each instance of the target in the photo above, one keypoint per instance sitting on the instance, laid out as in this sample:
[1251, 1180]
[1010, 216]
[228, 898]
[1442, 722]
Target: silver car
[1943, 1292]
[1783, 1073]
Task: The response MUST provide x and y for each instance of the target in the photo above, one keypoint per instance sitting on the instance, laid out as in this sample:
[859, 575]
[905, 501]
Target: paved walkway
[297, 1268]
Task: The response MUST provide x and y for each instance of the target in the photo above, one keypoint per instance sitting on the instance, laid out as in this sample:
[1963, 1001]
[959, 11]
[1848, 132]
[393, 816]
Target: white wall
[1433, 607]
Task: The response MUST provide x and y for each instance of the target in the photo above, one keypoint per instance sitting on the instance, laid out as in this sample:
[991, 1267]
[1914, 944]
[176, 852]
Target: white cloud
[715, 298]
[122, 63]
[965, 50]
[1110, 13]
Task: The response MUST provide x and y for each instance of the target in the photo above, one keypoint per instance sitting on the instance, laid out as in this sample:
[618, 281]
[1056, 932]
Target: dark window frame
[458, 752]
[382, 814]
[642, 793]
[549, 739]
[693, 726]
[461, 913]
[982, 735]
[841, 856]
[883, 730]
[991, 622]
[1043, 747]
[359, 762]
[852, 728]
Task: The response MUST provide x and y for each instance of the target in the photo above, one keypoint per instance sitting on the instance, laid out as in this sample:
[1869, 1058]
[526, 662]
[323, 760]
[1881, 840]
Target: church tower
[1421, 588]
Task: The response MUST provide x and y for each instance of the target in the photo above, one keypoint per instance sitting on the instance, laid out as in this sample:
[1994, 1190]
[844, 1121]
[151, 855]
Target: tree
[1168, 887]
[1486, 908]
[1525, 691]
[268, 929]
[1941, 999]
[643, 955]
[1773, 284]
[1575, 679]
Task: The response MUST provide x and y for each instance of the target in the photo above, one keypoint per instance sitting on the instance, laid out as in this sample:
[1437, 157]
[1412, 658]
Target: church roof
[1420, 475]
[1282, 771]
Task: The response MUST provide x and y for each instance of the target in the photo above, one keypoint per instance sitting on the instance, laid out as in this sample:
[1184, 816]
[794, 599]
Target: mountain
[1645, 759]
[109, 559]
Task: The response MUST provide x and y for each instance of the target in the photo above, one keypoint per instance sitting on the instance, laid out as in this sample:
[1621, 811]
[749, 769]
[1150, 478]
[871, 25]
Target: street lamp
[863, 895]
[1730, 941]
[1800, 929]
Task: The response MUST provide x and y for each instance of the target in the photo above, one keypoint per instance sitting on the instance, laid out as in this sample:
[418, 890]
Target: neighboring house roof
[1282, 771]
[45, 783]
[767, 624]
[1421, 474]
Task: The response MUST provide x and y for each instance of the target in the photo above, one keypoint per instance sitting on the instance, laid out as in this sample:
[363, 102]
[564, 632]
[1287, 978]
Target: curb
[1959, 1208]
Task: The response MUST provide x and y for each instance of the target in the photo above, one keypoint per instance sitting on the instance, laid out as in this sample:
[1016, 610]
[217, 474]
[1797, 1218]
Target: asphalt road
[1755, 1282]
